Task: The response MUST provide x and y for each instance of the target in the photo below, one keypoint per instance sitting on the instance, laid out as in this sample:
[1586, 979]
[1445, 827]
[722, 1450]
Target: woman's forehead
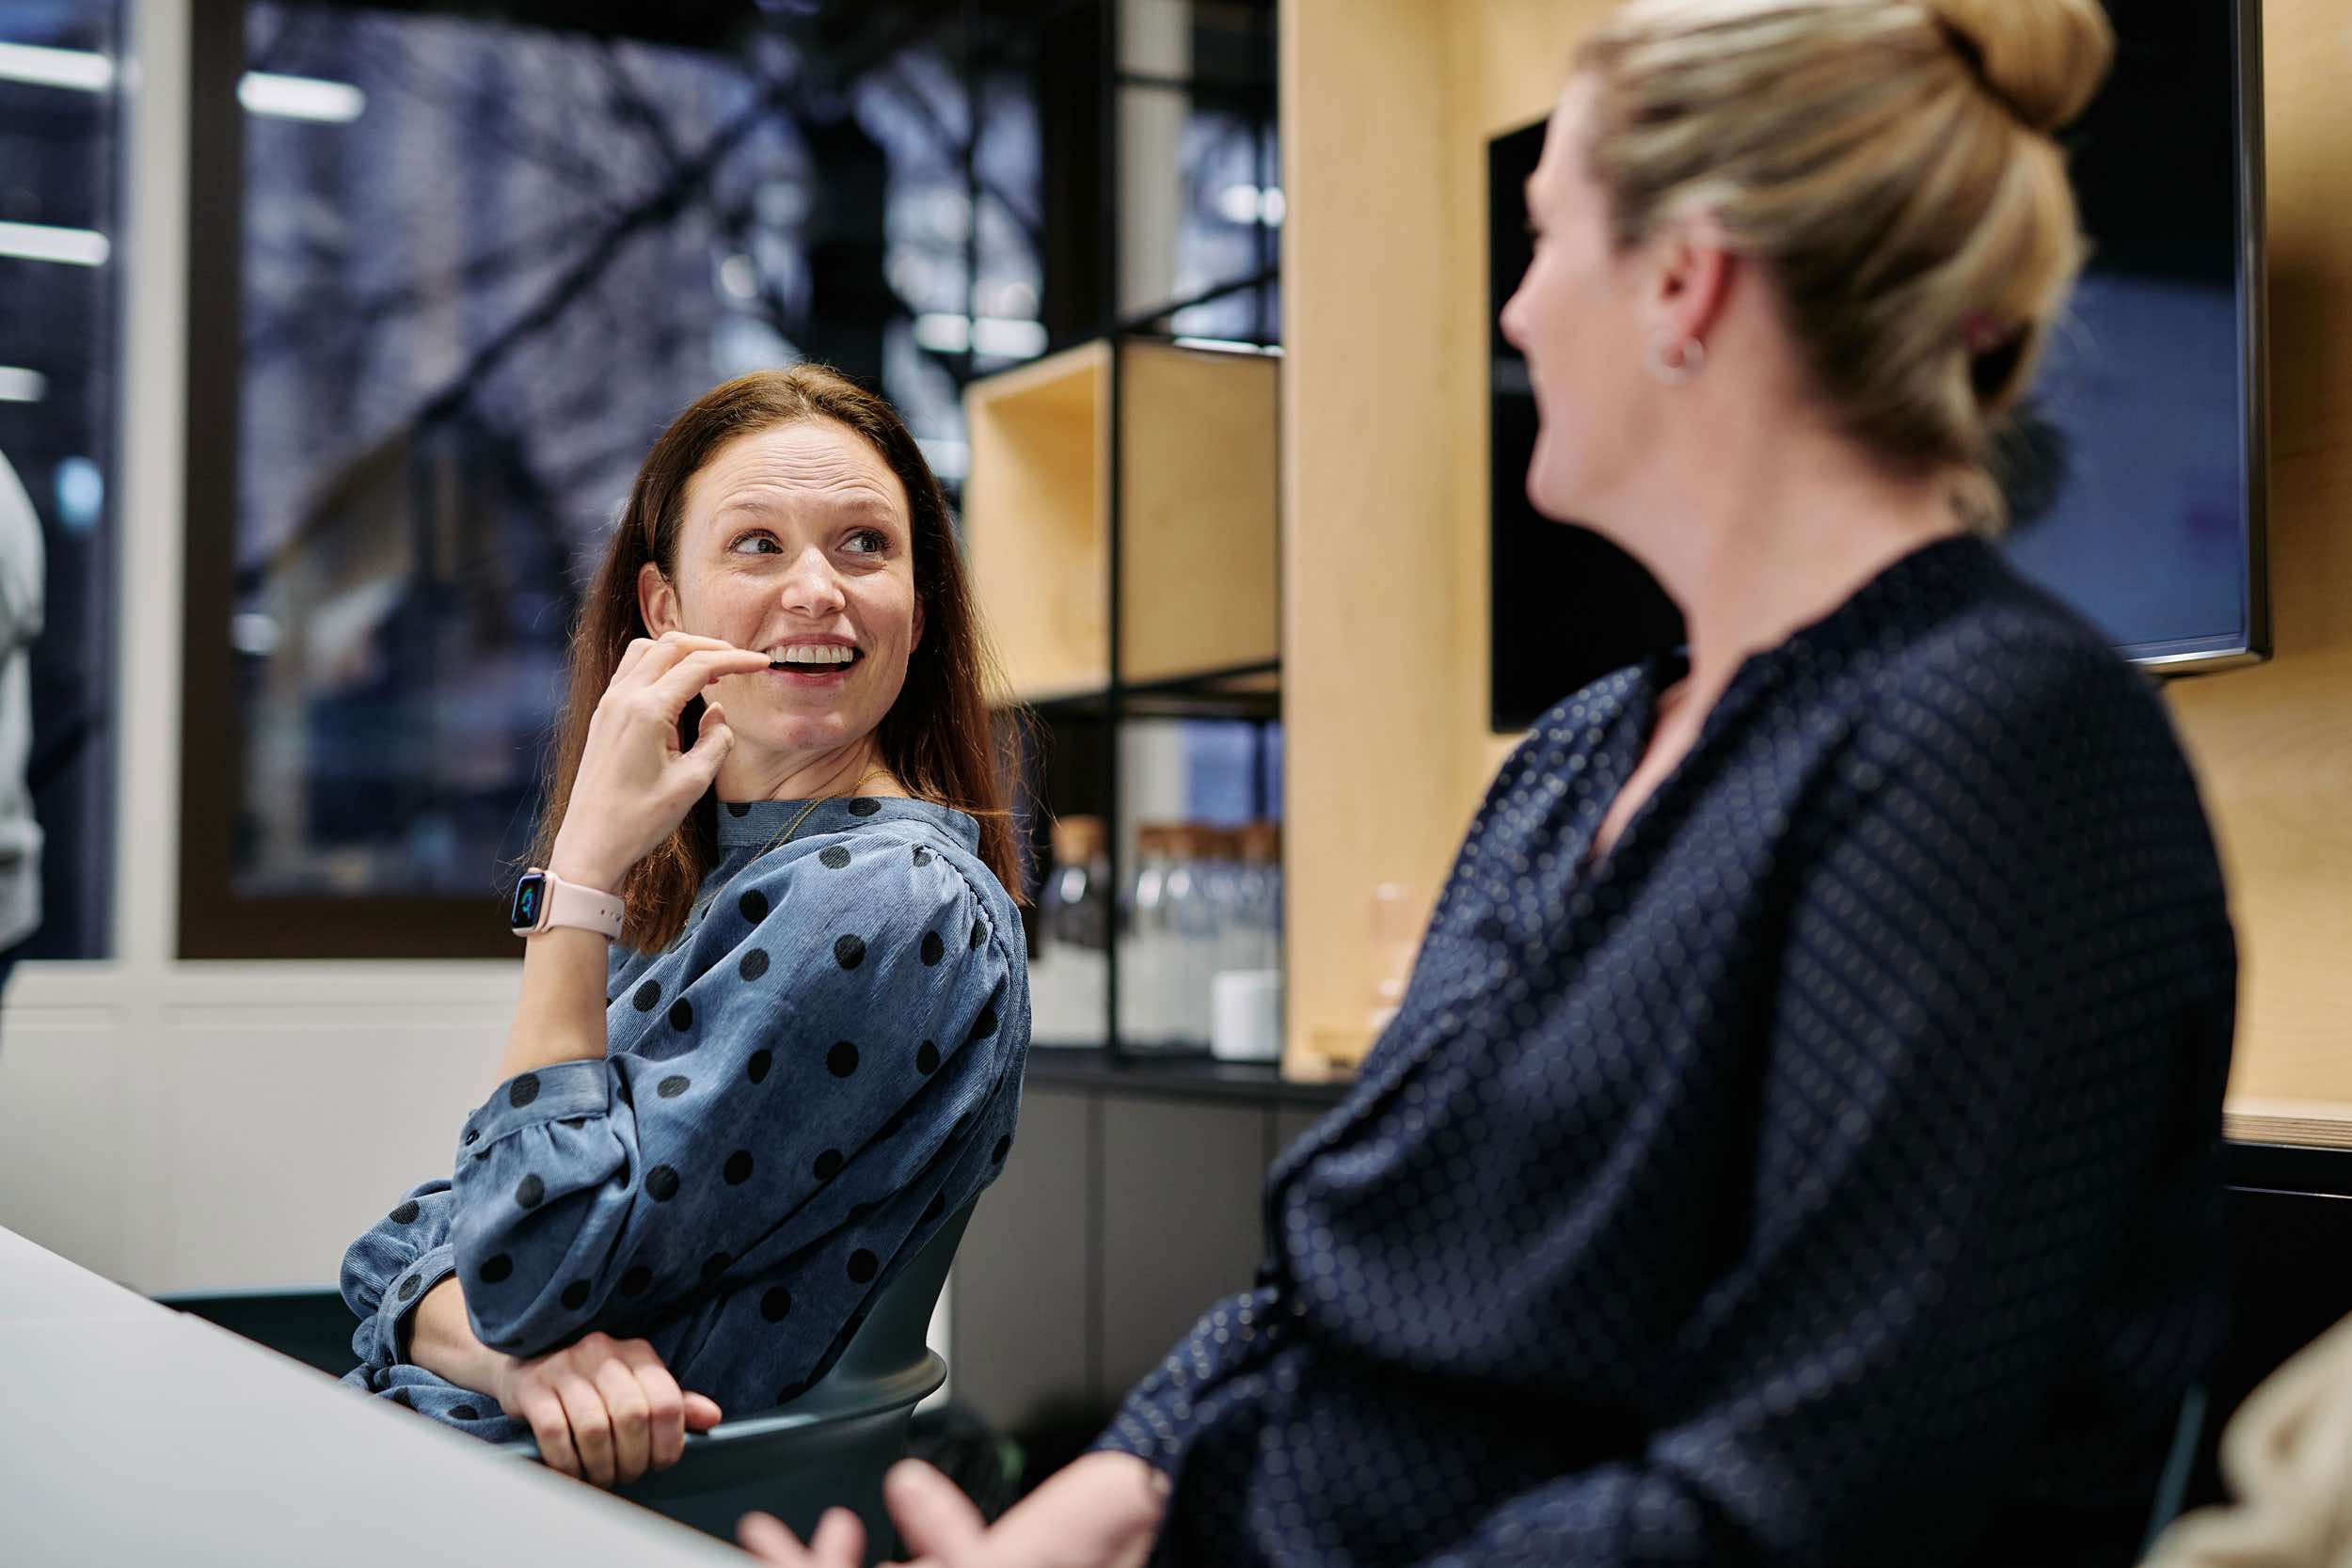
[809, 461]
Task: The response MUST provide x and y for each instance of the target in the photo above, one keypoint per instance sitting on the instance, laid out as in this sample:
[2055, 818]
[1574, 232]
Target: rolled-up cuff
[560, 1092]
[388, 1327]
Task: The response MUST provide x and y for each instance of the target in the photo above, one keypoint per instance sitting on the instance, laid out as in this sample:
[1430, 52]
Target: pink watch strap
[583, 908]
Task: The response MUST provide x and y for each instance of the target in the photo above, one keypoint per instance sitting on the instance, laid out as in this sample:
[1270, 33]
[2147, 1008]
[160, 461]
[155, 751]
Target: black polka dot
[1004, 1146]
[633, 1283]
[776, 1304]
[979, 934]
[934, 949]
[863, 807]
[842, 1059]
[863, 1265]
[834, 856]
[471, 1133]
[672, 1086]
[927, 1057]
[409, 1288]
[497, 1268]
[738, 1167]
[922, 856]
[754, 905]
[523, 1090]
[985, 1024]
[932, 1210]
[681, 1015]
[406, 1214]
[482, 1154]
[661, 1183]
[738, 808]
[849, 952]
[759, 1066]
[463, 1413]
[715, 1265]
[576, 1295]
[755, 964]
[402, 1399]
[828, 1165]
[647, 996]
[860, 1212]
[530, 1191]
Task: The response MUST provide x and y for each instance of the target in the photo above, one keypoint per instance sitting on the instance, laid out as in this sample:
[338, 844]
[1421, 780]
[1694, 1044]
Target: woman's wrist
[442, 1341]
[586, 867]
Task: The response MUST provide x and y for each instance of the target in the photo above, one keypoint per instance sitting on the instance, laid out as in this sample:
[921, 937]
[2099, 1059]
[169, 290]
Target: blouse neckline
[761, 824]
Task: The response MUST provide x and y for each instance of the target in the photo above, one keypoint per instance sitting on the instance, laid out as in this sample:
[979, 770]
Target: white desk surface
[136, 1435]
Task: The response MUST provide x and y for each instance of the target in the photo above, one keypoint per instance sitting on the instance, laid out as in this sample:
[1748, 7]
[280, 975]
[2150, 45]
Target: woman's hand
[1100, 1512]
[634, 785]
[603, 1409]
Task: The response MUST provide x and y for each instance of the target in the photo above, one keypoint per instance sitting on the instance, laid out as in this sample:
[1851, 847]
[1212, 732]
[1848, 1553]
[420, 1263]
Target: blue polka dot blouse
[824, 1065]
[1825, 1175]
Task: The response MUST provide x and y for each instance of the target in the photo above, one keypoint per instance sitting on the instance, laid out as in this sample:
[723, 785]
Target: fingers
[766, 1539]
[935, 1518]
[551, 1429]
[665, 1403]
[674, 688]
[839, 1540]
[702, 1412]
[713, 740]
[631, 1415]
[592, 1428]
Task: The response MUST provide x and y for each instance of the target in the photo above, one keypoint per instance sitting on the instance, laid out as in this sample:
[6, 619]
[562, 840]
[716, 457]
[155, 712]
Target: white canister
[1246, 1015]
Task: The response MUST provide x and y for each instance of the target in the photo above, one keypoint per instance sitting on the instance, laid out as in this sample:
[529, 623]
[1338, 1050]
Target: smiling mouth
[817, 661]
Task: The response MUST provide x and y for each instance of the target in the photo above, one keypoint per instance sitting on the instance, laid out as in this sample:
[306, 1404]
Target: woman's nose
[810, 587]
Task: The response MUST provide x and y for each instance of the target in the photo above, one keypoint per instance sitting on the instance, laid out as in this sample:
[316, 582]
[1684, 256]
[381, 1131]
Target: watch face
[531, 896]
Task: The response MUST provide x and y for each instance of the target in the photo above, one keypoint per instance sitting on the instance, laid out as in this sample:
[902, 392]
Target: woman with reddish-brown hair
[774, 998]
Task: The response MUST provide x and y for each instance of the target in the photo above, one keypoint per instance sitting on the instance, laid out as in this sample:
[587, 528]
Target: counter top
[1188, 1076]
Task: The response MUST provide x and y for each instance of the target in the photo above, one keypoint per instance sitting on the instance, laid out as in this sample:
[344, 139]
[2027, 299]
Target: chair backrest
[829, 1447]
[308, 1322]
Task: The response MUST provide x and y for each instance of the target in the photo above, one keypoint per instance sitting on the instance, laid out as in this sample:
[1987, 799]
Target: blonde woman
[1796, 1145]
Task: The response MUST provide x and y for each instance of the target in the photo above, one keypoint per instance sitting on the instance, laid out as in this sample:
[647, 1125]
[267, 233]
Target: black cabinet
[1130, 1202]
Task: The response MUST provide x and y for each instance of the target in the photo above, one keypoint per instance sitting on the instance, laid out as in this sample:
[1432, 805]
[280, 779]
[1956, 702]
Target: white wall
[180, 1126]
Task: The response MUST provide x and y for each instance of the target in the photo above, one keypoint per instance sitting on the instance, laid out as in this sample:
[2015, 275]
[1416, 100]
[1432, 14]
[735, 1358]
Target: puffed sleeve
[387, 1271]
[833, 1023]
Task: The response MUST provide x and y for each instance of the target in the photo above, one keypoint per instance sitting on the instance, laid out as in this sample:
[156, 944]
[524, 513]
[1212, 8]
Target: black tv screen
[2137, 480]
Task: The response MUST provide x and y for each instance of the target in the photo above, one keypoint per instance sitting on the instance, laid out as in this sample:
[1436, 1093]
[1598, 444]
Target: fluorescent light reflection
[39, 242]
[82, 70]
[994, 336]
[300, 98]
[18, 384]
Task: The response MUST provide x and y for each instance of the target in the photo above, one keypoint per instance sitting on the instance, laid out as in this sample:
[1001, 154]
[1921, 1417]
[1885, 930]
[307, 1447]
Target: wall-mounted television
[2140, 477]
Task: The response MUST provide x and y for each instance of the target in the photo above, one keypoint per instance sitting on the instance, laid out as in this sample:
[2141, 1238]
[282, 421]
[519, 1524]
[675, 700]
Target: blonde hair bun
[2044, 58]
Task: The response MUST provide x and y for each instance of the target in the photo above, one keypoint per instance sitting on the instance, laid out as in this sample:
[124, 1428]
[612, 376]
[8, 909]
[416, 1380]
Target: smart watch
[544, 899]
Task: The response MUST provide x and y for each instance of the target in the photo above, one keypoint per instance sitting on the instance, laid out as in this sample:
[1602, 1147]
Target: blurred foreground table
[138, 1436]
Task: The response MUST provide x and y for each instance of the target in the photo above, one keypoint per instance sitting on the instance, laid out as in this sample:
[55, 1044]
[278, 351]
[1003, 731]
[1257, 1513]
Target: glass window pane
[482, 263]
[59, 284]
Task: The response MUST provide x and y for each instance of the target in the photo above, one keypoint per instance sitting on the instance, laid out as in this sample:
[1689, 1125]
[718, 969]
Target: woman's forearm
[560, 1015]
[442, 1342]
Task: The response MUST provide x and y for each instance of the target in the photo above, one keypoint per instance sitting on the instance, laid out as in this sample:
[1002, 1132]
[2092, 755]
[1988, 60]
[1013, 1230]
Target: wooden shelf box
[1197, 508]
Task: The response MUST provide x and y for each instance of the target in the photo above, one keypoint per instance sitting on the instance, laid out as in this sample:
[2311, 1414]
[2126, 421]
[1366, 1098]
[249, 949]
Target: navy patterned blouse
[1826, 1176]
[823, 1066]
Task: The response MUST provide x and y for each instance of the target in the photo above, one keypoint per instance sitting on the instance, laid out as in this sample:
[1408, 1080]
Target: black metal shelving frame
[1223, 694]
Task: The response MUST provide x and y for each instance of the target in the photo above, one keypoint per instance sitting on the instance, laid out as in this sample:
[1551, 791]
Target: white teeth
[813, 654]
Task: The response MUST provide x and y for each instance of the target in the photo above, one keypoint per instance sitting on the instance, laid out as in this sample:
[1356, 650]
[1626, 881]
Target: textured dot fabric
[1826, 1174]
[760, 1133]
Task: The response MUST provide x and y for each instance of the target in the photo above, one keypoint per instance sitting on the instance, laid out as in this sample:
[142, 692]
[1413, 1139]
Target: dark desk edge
[2262, 1167]
[1185, 1076]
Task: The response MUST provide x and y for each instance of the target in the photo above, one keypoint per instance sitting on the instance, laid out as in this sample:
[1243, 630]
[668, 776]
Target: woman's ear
[656, 601]
[1690, 277]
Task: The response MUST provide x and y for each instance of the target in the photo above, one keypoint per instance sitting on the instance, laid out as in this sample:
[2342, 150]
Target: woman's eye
[869, 540]
[754, 544]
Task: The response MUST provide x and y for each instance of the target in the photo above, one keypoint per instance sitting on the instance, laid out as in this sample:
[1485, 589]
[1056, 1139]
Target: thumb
[701, 1412]
[933, 1517]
